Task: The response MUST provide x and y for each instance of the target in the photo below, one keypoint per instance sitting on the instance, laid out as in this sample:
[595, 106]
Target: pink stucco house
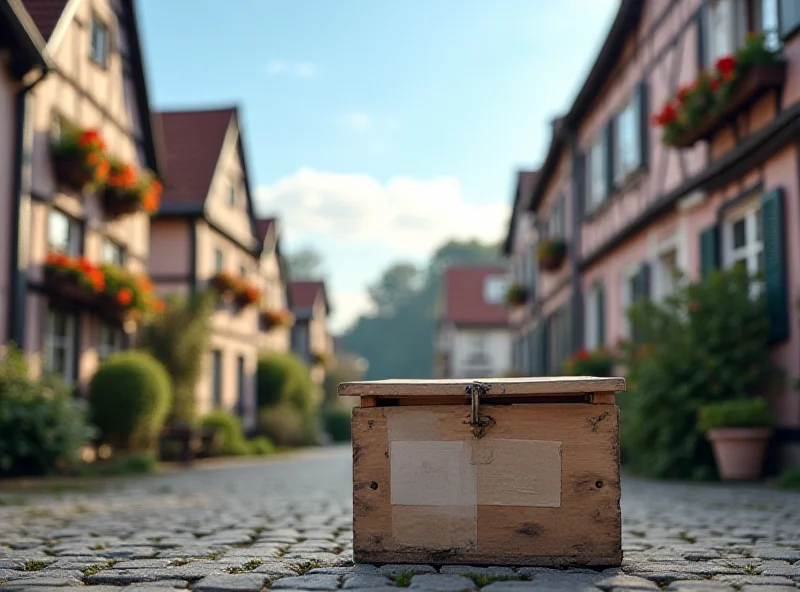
[97, 84]
[633, 206]
[205, 231]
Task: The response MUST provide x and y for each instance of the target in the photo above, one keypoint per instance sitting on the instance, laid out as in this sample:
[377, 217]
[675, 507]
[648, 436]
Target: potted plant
[226, 286]
[79, 158]
[516, 295]
[551, 252]
[127, 190]
[277, 317]
[247, 294]
[738, 430]
[585, 363]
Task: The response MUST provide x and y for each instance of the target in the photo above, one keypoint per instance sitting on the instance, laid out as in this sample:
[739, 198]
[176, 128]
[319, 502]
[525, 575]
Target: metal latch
[474, 391]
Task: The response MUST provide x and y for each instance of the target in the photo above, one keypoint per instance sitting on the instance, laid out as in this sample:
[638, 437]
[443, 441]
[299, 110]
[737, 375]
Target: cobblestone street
[285, 524]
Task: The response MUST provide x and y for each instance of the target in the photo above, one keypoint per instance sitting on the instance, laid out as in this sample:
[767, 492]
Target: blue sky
[377, 129]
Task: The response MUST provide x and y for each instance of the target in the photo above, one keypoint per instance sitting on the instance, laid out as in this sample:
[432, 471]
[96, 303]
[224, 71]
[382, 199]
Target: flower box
[757, 81]
[516, 295]
[278, 317]
[79, 159]
[515, 471]
[128, 191]
[551, 253]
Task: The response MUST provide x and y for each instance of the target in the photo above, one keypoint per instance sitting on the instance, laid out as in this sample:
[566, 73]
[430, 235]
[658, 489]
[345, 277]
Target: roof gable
[304, 294]
[46, 14]
[464, 302]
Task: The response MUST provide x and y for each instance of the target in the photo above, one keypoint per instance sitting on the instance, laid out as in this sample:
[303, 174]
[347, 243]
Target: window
[59, 126]
[109, 340]
[63, 233]
[556, 222]
[100, 43]
[594, 326]
[628, 141]
[216, 379]
[242, 271]
[59, 344]
[559, 342]
[778, 18]
[494, 289]
[596, 168]
[241, 407]
[666, 269]
[219, 260]
[112, 252]
[478, 345]
[231, 194]
[742, 243]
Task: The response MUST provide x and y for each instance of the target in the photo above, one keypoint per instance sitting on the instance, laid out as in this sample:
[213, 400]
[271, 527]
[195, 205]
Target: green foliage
[129, 398]
[123, 465]
[706, 344]
[284, 378]
[42, 428]
[516, 295]
[398, 340]
[179, 338]
[790, 479]
[595, 363]
[736, 413]
[261, 446]
[286, 426]
[337, 423]
[231, 440]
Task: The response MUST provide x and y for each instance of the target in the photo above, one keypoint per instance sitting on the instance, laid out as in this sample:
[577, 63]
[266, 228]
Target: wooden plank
[568, 385]
[584, 530]
[368, 401]
[601, 398]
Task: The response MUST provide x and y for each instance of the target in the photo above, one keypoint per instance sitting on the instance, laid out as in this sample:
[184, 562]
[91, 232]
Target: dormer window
[100, 43]
[494, 289]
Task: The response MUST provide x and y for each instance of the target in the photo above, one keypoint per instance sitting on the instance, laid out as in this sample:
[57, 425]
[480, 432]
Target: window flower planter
[585, 363]
[720, 94]
[516, 295]
[128, 191]
[551, 253]
[109, 290]
[234, 290]
[277, 317]
[79, 159]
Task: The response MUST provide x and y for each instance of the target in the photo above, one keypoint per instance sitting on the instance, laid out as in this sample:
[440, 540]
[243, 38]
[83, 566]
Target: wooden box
[521, 471]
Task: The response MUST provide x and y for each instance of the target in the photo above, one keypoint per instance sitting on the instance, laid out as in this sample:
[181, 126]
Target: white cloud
[357, 121]
[296, 69]
[348, 305]
[410, 216]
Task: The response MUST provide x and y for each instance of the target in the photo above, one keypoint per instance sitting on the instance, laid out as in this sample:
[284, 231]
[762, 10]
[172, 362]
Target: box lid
[496, 387]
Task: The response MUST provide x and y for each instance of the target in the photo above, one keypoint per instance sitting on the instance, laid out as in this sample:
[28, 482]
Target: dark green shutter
[790, 16]
[702, 36]
[709, 251]
[775, 264]
[644, 125]
[601, 315]
[608, 144]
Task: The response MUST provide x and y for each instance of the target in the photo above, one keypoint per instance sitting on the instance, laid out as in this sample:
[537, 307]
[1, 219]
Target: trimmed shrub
[737, 413]
[286, 426]
[708, 343]
[261, 446]
[129, 398]
[42, 428]
[284, 378]
[337, 423]
[179, 339]
[231, 440]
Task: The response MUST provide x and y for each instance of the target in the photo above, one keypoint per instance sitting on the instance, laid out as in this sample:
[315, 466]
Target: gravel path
[285, 524]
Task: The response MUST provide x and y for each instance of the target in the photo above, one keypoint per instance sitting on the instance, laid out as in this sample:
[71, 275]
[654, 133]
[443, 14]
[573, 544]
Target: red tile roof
[464, 303]
[303, 294]
[193, 141]
[45, 13]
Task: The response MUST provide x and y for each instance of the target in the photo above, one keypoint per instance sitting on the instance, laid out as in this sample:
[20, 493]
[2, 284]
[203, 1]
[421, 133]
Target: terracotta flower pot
[739, 452]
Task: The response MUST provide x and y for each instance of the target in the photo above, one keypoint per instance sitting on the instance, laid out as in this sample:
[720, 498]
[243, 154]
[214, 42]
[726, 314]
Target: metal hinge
[474, 391]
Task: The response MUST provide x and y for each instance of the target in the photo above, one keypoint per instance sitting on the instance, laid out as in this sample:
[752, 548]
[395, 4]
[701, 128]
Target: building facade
[275, 318]
[205, 236]
[60, 219]
[636, 200]
[473, 337]
[310, 338]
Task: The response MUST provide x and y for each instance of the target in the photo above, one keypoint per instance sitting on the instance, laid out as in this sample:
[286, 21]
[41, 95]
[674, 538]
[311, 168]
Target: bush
[129, 398]
[708, 343]
[790, 479]
[737, 413]
[261, 446]
[42, 428]
[179, 338]
[337, 424]
[596, 363]
[231, 440]
[124, 465]
[284, 378]
[286, 426]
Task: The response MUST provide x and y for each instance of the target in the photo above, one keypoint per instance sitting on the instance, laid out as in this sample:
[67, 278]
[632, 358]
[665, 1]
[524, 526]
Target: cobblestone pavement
[285, 524]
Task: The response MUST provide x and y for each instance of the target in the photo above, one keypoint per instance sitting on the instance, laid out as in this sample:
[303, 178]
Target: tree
[397, 286]
[305, 264]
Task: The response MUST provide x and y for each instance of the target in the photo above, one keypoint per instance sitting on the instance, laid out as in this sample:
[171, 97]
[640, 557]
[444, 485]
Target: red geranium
[726, 65]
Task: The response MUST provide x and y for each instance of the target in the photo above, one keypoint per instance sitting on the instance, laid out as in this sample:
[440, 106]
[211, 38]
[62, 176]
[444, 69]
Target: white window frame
[478, 344]
[219, 260]
[100, 53]
[557, 220]
[664, 285]
[596, 177]
[628, 157]
[72, 247]
[106, 347]
[109, 246]
[626, 297]
[494, 289]
[753, 249]
[591, 327]
[726, 28]
[66, 343]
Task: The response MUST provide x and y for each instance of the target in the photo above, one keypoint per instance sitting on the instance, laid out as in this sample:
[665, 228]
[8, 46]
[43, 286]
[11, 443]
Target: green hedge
[337, 423]
[130, 397]
[231, 440]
